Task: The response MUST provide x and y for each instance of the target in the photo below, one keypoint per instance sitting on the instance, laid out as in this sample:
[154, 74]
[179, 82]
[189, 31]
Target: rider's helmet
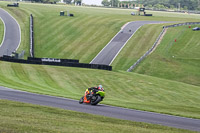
[100, 87]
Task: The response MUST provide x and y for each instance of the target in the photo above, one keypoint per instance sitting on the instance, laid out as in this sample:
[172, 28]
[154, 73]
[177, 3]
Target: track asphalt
[107, 55]
[109, 111]
[12, 34]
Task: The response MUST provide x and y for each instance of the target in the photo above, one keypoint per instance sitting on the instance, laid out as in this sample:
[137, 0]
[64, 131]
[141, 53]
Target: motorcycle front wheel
[95, 100]
[81, 100]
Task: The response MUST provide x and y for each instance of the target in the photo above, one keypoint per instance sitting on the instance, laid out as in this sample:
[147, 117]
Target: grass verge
[21, 118]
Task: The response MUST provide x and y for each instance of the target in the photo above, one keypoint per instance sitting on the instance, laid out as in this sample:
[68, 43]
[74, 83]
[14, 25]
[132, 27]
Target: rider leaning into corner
[93, 95]
[94, 89]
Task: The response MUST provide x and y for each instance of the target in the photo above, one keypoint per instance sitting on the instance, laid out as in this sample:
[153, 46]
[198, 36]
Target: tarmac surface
[12, 34]
[107, 55]
[109, 111]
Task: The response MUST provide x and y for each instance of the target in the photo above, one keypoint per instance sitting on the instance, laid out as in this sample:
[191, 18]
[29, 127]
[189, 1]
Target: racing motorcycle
[93, 97]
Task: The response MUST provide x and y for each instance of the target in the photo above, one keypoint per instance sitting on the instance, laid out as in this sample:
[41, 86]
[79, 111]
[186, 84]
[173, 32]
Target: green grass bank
[22, 118]
[178, 61]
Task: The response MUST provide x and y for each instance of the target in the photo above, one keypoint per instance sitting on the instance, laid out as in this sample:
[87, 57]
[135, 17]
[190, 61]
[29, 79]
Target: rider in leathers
[94, 90]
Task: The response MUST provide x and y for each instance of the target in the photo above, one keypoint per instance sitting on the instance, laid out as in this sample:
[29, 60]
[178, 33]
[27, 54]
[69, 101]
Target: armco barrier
[147, 53]
[150, 50]
[31, 37]
[56, 62]
[181, 24]
[12, 59]
[13, 5]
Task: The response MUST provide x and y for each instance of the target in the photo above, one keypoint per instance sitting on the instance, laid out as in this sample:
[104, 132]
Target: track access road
[12, 34]
[107, 55]
[109, 111]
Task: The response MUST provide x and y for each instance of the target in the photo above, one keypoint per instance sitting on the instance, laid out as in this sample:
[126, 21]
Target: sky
[92, 2]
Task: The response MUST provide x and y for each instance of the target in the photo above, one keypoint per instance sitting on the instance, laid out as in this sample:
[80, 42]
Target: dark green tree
[68, 1]
[182, 4]
[49, 1]
[105, 3]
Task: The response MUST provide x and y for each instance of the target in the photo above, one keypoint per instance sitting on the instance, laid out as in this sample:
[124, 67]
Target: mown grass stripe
[69, 32]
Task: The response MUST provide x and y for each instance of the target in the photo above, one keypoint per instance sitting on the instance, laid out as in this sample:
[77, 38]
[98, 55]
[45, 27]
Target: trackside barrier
[41, 60]
[56, 62]
[31, 37]
[13, 5]
[181, 11]
[156, 42]
[147, 53]
[181, 24]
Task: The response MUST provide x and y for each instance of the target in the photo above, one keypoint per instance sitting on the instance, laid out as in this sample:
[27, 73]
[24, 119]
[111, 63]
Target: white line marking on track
[123, 46]
[4, 32]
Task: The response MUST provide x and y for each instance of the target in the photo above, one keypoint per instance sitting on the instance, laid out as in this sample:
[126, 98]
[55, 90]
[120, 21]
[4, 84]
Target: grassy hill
[82, 37]
[179, 61]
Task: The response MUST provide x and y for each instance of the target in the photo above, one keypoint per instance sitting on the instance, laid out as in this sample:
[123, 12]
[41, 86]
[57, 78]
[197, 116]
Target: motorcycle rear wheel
[95, 102]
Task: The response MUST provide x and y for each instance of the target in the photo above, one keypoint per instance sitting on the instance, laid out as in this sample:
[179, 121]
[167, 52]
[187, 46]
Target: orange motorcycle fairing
[85, 99]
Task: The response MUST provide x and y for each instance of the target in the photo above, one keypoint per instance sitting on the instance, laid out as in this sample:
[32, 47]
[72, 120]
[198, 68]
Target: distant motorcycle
[93, 97]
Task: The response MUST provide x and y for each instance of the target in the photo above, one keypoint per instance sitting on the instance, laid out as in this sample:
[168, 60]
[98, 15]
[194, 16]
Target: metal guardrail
[147, 53]
[176, 11]
[156, 42]
[31, 37]
[182, 24]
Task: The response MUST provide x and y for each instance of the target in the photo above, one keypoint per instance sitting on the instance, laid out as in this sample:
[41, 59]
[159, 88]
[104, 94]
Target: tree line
[157, 4]
[153, 4]
[171, 4]
[54, 1]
